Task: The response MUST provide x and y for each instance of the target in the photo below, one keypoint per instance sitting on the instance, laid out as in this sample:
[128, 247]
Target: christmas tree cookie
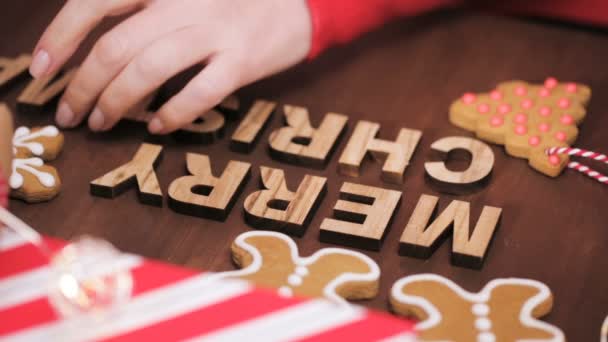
[526, 118]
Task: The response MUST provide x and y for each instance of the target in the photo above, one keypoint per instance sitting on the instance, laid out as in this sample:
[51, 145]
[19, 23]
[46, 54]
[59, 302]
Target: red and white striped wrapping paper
[171, 303]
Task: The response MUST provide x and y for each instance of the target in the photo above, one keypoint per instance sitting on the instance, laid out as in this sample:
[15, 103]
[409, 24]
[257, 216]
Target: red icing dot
[566, 119]
[521, 130]
[534, 140]
[550, 82]
[504, 108]
[561, 136]
[483, 108]
[554, 160]
[563, 103]
[545, 111]
[468, 98]
[496, 95]
[527, 104]
[496, 121]
[521, 118]
[544, 127]
[571, 87]
[521, 90]
[544, 92]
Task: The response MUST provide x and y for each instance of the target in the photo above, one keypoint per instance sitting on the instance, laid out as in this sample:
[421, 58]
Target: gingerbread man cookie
[6, 152]
[32, 180]
[505, 310]
[271, 259]
[526, 118]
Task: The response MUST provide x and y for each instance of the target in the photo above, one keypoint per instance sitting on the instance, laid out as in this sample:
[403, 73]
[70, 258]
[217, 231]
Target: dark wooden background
[405, 75]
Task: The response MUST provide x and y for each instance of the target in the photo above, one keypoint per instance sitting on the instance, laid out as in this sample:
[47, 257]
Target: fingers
[146, 72]
[107, 58]
[215, 82]
[65, 33]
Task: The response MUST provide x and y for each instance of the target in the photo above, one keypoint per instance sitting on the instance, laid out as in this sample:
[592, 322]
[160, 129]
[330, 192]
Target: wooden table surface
[405, 75]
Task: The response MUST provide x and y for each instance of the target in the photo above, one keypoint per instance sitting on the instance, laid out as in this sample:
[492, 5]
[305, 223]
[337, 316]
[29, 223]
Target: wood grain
[300, 143]
[361, 217]
[41, 91]
[139, 171]
[480, 167]
[278, 208]
[13, 68]
[395, 154]
[250, 128]
[204, 195]
[469, 248]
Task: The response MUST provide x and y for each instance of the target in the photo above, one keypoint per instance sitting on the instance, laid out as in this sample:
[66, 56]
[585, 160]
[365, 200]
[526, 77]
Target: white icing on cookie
[23, 136]
[285, 291]
[30, 165]
[434, 316]
[301, 269]
[483, 324]
[481, 309]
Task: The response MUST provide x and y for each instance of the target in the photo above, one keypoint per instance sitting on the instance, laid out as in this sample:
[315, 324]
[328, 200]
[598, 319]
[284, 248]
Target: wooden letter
[205, 130]
[396, 155]
[204, 195]
[42, 91]
[482, 162]
[140, 171]
[299, 143]
[10, 69]
[244, 138]
[362, 216]
[420, 239]
[277, 208]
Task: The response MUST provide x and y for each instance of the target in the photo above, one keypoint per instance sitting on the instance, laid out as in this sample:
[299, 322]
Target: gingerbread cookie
[526, 118]
[271, 259]
[6, 152]
[505, 310]
[32, 180]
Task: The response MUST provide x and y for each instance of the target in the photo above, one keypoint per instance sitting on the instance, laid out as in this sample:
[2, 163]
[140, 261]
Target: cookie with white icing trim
[31, 179]
[272, 260]
[504, 310]
[526, 118]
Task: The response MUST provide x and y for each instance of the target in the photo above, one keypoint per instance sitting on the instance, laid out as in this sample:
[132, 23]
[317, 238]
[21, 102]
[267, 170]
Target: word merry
[360, 219]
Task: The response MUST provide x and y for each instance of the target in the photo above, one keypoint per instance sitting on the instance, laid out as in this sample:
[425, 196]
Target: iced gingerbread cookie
[526, 118]
[6, 152]
[505, 310]
[271, 260]
[31, 179]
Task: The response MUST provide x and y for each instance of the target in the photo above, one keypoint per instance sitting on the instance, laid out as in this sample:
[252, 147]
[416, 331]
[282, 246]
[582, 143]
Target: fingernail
[65, 116]
[96, 120]
[40, 64]
[155, 126]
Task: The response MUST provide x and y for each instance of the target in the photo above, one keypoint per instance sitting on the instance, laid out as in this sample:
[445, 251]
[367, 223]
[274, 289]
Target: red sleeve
[340, 21]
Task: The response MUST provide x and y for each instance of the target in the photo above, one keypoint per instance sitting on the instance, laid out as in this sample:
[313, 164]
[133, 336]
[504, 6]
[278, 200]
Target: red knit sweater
[339, 21]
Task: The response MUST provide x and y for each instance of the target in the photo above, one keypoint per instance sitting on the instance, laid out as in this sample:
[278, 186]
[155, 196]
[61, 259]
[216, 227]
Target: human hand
[239, 41]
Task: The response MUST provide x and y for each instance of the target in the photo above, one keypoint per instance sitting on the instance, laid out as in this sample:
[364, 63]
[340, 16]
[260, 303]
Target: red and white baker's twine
[571, 151]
